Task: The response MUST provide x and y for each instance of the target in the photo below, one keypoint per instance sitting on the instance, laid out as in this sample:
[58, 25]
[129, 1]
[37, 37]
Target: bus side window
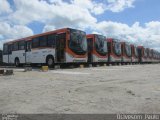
[43, 41]
[15, 46]
[51, 41]
[5, 49]
[28, 46]
[10, 49]
[35, 43]
[21, 45]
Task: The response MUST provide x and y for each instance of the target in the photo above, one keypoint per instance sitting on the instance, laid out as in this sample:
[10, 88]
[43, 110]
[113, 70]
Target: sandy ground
[108, 89]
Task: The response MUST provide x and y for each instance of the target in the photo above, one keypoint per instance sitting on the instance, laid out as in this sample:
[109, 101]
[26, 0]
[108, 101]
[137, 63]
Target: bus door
[90, 49]
[60, 47]
[28, 54]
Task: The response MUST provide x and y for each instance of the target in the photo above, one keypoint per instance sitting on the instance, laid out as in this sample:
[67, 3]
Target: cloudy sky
[135, 21]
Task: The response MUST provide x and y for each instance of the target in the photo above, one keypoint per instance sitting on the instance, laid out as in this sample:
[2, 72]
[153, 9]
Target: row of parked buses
[74, 46]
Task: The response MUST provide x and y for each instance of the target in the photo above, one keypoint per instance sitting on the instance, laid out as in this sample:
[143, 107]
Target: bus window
[35, 42]
[21, 45]
[51, 42]
[28, 46]
[10, 49]
[43, 41]
[5, 49]
[15, 46]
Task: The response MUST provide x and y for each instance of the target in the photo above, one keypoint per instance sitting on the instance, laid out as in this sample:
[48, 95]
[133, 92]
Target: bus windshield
[78, 42]
[117, 48]
[101, 44]
[128, 50]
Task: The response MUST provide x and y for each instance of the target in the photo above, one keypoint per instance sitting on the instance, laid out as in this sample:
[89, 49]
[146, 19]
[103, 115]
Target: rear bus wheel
[50, 62]
[17, 62]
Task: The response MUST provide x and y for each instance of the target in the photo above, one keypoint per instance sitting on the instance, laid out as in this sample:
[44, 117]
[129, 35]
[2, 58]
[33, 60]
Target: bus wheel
[50, 61]
[17, 62]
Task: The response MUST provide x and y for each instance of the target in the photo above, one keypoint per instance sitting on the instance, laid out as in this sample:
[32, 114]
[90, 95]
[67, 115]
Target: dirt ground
[108, 89]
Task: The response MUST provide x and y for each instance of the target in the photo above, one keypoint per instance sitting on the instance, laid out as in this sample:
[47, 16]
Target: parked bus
[126, 52]
[143, 54]
[134, 52]
[114, 51]
[97, 48]
[60, 46]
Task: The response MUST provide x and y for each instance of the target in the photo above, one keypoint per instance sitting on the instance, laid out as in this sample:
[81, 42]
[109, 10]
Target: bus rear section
[134, 52]
[1, 57]
[14, 52]
[126, 52]
[97, 49]
[55, 47]
[143, 54]
[114, 51]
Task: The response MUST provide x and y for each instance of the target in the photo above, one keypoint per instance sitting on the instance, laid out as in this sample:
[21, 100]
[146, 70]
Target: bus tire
[17, 62]
[50, 61]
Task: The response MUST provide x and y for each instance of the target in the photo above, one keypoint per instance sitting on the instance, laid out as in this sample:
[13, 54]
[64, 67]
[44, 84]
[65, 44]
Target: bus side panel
[20, 54]
[5, 58]
[40, 55]
[11, 58]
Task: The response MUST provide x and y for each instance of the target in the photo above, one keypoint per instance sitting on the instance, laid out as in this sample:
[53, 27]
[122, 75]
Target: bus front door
[60, 47]
[28, 54]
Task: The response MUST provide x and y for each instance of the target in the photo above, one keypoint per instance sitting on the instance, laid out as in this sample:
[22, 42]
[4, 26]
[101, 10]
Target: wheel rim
[50, 62]
[17, 63]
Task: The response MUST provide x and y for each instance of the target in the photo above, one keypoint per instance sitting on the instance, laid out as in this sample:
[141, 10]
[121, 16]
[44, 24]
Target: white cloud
[119, 5]
[8, 32]
[48, 28]
[16, 31]
[149, 35]
[4, 7]
[92, 6]
[57, 13]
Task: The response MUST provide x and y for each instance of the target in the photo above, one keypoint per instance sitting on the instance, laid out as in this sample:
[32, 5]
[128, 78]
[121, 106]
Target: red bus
[126, 52]
[114, 50]
[134, 51]
[97, 48]
[143, 54]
